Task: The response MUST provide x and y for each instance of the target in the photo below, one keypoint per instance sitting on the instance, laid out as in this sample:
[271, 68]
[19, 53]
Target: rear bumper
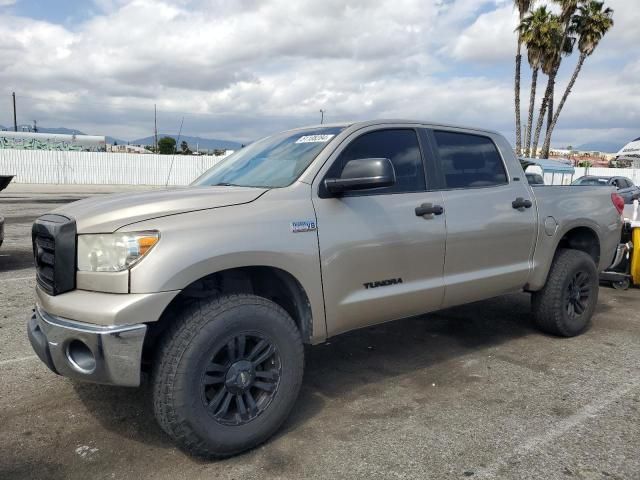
[94, 353]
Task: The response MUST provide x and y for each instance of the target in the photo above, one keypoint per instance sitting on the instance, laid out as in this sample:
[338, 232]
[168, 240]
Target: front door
[380, 261]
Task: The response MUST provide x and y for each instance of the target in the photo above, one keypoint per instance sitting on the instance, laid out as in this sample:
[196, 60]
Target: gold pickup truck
[212, 290]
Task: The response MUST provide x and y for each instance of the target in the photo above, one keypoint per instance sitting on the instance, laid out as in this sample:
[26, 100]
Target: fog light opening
[81, 357]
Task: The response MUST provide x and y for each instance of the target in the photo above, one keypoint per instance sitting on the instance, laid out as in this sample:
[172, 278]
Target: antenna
[175, 149]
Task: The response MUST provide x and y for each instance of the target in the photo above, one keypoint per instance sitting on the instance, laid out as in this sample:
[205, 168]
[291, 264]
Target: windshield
[592, 181]
[272, 162]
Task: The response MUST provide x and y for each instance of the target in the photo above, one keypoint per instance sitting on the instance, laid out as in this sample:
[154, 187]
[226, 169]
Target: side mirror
[363, 174]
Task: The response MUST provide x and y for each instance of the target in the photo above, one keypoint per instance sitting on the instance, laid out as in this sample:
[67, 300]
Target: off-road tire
[550, 305]
[181, 359]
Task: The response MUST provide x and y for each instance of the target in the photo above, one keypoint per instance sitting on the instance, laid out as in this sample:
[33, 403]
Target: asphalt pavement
[470, 392]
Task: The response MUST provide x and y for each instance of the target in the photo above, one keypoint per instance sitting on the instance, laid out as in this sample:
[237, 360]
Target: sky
[242, 69]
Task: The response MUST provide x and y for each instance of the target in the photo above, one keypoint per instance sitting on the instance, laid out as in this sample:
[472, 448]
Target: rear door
[490, 239]
[380, 261]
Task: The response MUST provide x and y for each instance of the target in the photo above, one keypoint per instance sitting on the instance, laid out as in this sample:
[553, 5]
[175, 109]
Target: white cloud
[7, 3]
[490, 38]
[244, 68]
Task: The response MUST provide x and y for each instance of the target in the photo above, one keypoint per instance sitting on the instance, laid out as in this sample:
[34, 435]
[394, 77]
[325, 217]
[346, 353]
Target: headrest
[467, 161]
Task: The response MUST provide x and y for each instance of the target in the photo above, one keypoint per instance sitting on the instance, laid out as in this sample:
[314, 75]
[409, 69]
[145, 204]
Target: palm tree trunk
[548, 97]
[532, 101]
[517, 97]
[547, 141]
[550, 109]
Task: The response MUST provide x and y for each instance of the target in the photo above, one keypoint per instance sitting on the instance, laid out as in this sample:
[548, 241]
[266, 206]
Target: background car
[534, 178]
[4, 183]
[625, 186]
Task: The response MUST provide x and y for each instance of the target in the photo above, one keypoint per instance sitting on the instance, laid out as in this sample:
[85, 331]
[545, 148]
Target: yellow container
[635, 255]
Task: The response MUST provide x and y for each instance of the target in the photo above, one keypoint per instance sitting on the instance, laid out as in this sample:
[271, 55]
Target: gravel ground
[472, 392]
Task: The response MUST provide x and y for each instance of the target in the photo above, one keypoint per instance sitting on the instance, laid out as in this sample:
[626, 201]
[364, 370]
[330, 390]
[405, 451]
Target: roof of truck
[383, 121]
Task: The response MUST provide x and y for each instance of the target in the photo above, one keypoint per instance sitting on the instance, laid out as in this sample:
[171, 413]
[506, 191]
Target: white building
[50, 141]
[630, 153]
[127, 149]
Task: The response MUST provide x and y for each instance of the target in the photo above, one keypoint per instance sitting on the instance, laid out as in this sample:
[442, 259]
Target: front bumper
[94, 353]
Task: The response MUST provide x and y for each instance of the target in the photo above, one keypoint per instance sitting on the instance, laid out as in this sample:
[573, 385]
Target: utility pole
[155, 126]
[35, 126]
[15, 118]
[321, 116]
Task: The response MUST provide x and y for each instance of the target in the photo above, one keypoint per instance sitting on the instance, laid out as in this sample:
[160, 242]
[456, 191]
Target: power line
[155, 126]
[15, 118]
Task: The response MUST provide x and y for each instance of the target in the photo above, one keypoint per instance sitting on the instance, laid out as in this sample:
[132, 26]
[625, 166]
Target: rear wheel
[623, 284]
[566, 304]
[228, 374]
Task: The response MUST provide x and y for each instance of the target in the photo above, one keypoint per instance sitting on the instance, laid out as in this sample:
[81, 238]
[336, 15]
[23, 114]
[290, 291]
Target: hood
[107, 213]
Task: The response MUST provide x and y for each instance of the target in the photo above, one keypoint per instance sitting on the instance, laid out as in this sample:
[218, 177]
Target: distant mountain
[62, 130]
[603, 146]
[201, 143]
[113, 140]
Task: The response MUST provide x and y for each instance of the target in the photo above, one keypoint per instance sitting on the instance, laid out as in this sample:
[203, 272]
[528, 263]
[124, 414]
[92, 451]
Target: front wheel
[227, 374]
[566, 304]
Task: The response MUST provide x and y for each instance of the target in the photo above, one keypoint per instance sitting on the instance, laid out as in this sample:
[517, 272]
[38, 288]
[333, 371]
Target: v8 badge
[303, 226]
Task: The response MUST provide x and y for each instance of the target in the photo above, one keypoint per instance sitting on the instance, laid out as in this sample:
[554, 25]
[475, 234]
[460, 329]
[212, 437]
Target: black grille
[54, 249]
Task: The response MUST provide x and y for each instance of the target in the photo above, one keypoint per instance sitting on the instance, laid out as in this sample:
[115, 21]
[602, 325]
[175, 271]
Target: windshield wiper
[227, 184]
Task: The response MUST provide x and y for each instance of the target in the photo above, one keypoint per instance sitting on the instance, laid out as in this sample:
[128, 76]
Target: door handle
[520, 202]
[428, 209]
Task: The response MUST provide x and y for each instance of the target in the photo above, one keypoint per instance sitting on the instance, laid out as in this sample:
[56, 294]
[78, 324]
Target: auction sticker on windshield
[315, 138]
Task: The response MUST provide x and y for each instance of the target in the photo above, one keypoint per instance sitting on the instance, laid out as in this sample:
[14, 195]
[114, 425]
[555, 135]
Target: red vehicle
[4, 182]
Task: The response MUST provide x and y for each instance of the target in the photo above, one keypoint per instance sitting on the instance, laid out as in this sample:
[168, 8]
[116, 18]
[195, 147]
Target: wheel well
[584, 239]
[271, 283]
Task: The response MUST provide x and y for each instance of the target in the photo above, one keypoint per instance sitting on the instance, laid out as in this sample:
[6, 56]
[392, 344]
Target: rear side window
[400, 146]
[469, 161]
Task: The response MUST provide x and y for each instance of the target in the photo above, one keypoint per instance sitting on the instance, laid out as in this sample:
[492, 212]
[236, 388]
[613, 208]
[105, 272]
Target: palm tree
[523, 7]
[568, 9]
[533, 30]
[559, 44]
[552, 64]
[591, 23]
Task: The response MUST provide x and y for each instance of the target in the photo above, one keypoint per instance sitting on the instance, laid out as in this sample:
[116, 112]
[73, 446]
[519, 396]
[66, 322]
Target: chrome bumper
[94, 353]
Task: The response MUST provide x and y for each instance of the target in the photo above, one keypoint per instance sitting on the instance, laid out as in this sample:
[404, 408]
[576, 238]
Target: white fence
[102, 168]
[632, 173]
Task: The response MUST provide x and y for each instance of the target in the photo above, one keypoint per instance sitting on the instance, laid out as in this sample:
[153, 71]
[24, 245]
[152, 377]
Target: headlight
[113, 252]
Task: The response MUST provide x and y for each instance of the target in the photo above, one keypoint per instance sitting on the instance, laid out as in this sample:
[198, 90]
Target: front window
[272, 162]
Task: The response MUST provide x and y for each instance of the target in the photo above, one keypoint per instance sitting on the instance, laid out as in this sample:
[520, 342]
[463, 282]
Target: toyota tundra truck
[210, 292]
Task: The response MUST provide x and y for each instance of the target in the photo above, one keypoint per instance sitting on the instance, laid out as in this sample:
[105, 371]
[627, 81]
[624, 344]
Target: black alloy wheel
[242, 378]
[577, 294]
[567, 302]
[227, 373]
